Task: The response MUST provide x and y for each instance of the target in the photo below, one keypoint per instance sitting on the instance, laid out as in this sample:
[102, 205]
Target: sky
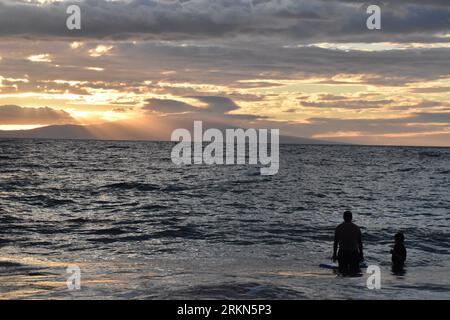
[310, 68]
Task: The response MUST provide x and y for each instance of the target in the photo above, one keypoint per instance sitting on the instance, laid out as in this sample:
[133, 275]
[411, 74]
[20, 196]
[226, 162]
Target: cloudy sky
[310, 68]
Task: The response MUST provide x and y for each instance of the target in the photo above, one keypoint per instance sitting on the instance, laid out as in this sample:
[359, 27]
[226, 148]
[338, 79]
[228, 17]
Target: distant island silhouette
[119, 131]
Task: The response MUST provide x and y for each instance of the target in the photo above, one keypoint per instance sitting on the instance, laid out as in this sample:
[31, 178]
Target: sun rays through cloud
[294, 65]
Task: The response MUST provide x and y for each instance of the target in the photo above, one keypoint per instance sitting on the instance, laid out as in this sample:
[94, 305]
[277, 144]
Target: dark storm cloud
[217, 108]
[227, 64]
[420, 117]
[427, 117]
[16, 115]
[416, 123]
[165, 20]
[230, 62]
[218, 104]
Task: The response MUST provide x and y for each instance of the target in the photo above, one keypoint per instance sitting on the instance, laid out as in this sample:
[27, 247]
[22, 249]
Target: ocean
[140, 227]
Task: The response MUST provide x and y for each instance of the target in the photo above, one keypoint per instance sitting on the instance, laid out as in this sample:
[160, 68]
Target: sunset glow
[383, 85]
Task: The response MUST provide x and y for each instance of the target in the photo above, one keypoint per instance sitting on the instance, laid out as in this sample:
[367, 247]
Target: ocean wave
[109, 231]
[101, 207]
[150, 207]
[186, 232]
[173, 188]
[44, 200]
[231, 290]
[430, 154]
[131, 186]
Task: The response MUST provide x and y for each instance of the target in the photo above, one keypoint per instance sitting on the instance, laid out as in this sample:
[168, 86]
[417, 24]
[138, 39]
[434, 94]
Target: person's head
[348, 216]
[399, 237]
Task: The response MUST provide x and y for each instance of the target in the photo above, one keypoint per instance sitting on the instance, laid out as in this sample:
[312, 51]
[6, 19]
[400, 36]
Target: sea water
[140, 227]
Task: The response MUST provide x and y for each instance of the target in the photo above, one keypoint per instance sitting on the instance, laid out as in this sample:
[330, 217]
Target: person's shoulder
[355, 226]
[340, 226]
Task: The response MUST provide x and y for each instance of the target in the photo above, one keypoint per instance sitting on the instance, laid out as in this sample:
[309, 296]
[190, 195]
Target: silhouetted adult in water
[347, 237]
[399, 254]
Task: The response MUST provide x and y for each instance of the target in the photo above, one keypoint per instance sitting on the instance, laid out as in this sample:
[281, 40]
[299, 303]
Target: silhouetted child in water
[399, 254]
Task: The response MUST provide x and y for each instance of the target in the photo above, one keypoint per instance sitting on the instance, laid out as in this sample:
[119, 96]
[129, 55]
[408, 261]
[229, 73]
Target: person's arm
[360, 245]
[403, 254]
[335, 246]
[396, 252]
